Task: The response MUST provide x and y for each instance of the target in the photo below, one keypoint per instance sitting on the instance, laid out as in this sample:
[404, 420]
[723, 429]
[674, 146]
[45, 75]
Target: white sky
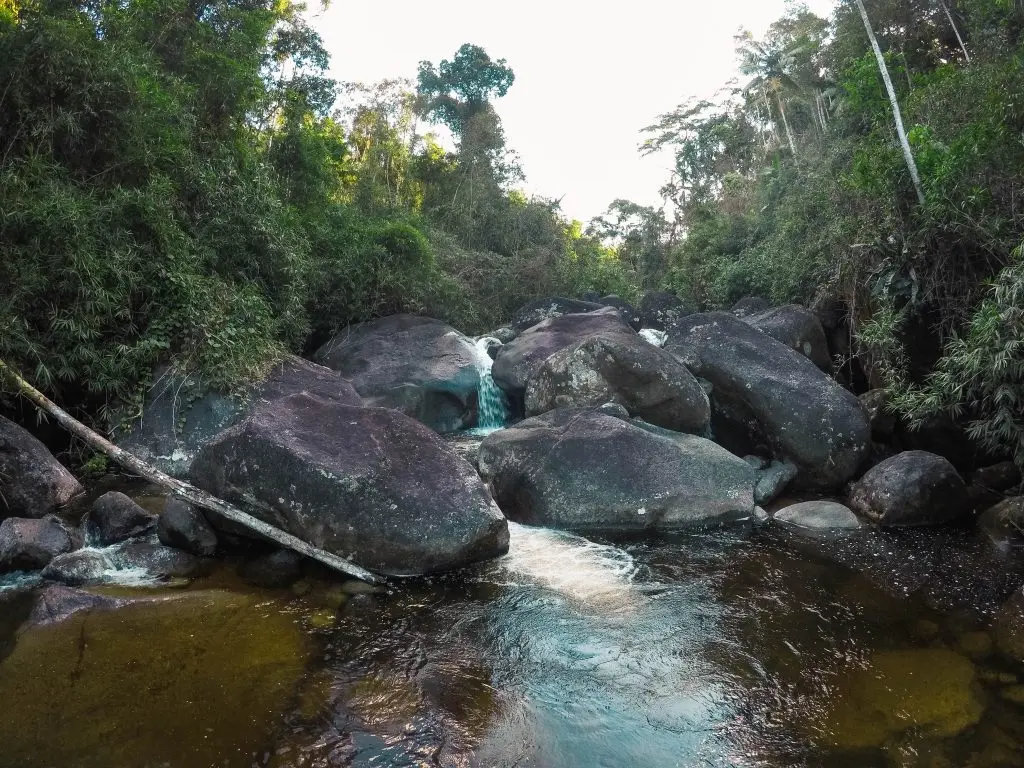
[589, 76]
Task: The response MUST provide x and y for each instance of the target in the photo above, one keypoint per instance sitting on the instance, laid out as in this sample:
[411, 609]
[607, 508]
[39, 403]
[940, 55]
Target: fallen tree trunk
[180, 488]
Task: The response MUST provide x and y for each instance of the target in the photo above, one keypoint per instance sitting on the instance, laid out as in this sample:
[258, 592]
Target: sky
[589, 76]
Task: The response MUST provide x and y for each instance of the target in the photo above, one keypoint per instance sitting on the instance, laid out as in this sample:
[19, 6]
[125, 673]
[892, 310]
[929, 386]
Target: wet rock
[540, 310]
[912, 488]
[368, 484]
[649, 382]
[181, 415]
[629, 313]
[772, 481]
[185, 527]
[1000, 477]
[876, 406]
[581, 469]
[58, 602]
[520, 359]
[1008, 628]
[80, 568]
[156, 560]
[661, 311]
[114, 517]
[798, 328]
[932, 691]
[765, 393]
[417, 365]
[29, 544]
[32, 482]
[750, 305]
[274, 570]
[1003, 523]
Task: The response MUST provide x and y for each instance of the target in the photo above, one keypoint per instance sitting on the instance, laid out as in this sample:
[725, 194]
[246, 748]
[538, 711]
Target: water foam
[493, 404]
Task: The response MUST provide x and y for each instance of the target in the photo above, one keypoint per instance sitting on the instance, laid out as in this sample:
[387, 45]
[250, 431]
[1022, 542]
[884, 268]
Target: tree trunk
[785, 122]
[180, 488]
[897, 115]
[956, 31]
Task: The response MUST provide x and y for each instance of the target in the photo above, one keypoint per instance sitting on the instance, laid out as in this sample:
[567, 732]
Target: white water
[493, 404]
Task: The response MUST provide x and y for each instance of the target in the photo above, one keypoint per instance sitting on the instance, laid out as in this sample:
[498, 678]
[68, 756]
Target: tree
[457, 90]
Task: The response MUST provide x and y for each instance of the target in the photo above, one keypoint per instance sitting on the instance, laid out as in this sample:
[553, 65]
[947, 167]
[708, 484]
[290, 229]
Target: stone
[583, 470]
[417, 365]
[819, 515]
[629, 313]
[883, 423]
[369, 484]
[79, 568]
[114, 517]
[520, 359]
[770, 397]
[181, 414]
[1003, 523]
[798, 328]
[32, 482]
[539, 310]
[661, 310]
[772, 481]
[1008, 627]
[155, 560]
[912, 488]
[1001, 477]
[28, 544]
[57, 602]
[649, 382]
[750, 305]
[274, 570]
[185, 527]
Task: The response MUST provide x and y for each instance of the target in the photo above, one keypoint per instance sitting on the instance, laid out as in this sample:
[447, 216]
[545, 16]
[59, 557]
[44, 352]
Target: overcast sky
[589, 76]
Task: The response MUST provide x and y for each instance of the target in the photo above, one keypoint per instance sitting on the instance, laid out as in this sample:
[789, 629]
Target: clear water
[493, 404]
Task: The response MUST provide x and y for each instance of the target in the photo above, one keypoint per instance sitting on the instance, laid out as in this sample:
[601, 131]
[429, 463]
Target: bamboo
[182, 489]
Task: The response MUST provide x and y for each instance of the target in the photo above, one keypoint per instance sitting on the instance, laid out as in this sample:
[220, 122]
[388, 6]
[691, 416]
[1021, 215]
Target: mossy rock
[934, 691]
[198, 680]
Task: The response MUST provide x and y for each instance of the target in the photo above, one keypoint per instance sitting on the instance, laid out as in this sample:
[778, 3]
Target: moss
[199, 680]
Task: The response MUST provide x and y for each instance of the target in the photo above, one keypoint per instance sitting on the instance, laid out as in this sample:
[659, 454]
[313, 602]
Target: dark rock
[912, 488]
[29, 544]
[274, 570]
[581, 469]
[798, 328]
[750, 305]
[942, 436]
[185, 527]
[114, 517]
[1003, 523]
[417, 365]
[818, 515]
[80, 568]
[661, 311]
[158, 561]
[772, 481]
[491, 345]
[1000, 477]
[182, 414]
[774, 399]
[1008, 628]
[540, 310]
[369, 484]
[505, 334]
[520, 359]
[876, 406]
[629, 313]
[649, 382]
[614, 409]
[57, 602]
[32, 482]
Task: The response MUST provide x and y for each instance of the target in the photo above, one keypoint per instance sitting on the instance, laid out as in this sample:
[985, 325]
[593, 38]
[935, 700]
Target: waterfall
[493, 405]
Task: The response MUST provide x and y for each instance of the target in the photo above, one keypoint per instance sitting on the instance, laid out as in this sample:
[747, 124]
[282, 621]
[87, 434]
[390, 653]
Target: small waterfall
[493, 405]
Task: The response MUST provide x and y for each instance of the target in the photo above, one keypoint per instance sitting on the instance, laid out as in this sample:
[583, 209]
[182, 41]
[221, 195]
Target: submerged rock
[32, 482]
[58, 602]
[1008, 628]
[819, 515]
[29, 544]
[368, 484]
[183, 526]
[911, 488]
[766, 392]
[798, 328]
[114, 517]
[539, 310]
[649, 382]
[417, 365]
[581, 469]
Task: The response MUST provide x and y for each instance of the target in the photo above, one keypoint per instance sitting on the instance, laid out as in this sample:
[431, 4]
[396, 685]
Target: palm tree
[897, 115]
[768, 68]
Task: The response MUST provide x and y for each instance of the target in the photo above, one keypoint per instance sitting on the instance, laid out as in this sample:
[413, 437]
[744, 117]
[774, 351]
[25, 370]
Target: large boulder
[417, 365]
[629, 313]
[28, 544]
[660, 311]
[750, 305]
[518, 360]
[912, 488]
[539, 310]
[181, 414]
[32, 482]
[798, 328]
[114, 517]
[651, 383]
[183, 526]
[818, 515]
[369, 484]
[582, 469]
[769, 394]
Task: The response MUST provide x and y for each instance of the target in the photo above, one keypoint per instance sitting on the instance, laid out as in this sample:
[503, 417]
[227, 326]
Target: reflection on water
[702, 650]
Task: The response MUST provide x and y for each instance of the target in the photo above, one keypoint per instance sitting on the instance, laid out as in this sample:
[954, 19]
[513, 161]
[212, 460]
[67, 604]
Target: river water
[725, 648]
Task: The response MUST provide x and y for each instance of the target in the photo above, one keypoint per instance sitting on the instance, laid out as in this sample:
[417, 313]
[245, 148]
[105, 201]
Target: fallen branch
[182, 489]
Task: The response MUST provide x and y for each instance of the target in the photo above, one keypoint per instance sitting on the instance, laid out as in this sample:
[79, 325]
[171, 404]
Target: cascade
[493, 404]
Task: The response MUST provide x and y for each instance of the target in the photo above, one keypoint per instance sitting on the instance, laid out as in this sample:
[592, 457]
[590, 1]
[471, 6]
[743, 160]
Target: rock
[798, 328]
[58, 602]
[614, 409]
[114, 517]
[1000, 477]
[505, 334]
[183, 414]
[661, 311]
[768, 394]
[417, 365]
[1008, 628]
[581, 469]
[1003, 523]
[656, 338]
[80, 568]
[29, 544]
[185, 527]
[649, 382]
[912, 488]
[818, 515]
[368, 484]
[629, 313]
[750, 305]
[274, 570]
[540, 310]
[940, 435]
[32, 482]
[491, 345]
[520, 359]
[772, 481]
[883, 423]
[156, 560]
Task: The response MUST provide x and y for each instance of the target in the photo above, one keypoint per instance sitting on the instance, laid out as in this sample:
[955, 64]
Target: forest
[180, 182]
